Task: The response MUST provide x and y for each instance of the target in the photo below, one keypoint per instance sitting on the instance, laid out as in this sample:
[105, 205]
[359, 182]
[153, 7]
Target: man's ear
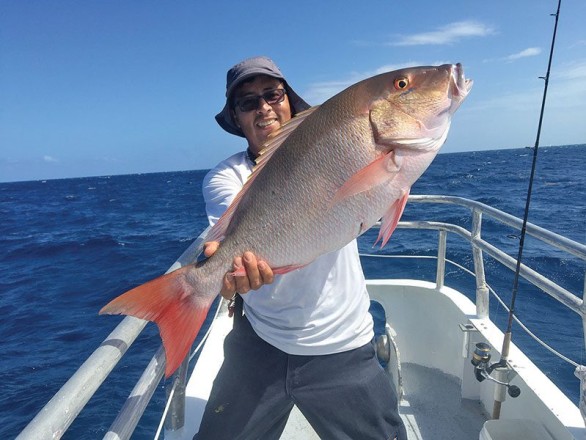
[234, 118]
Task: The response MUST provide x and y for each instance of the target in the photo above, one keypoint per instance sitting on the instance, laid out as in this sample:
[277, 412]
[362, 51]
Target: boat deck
[431, 406]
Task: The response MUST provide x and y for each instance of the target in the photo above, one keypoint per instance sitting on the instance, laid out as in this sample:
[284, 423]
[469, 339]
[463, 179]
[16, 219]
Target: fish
[324, 178]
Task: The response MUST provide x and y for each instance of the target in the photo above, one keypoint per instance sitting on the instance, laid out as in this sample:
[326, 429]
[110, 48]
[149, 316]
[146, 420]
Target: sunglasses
[271, 97]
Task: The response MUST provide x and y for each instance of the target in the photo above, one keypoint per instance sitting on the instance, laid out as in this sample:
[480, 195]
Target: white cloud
[49, 159]
[529, 52]
[573, 71]
[568, 89]
[447, 34]
[566, 99]
[391, 67]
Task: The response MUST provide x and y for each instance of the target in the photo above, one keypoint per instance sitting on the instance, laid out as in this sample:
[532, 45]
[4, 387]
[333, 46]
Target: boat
[438, 343]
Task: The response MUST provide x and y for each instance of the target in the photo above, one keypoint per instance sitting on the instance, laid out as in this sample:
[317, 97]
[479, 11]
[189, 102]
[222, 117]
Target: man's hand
[258, 272]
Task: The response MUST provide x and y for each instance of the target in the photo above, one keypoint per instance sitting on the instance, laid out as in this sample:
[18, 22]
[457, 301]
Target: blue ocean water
[69, 246]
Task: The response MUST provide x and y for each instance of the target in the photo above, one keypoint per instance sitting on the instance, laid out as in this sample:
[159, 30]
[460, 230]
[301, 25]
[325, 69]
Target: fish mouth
[458, 89]
[460, 86]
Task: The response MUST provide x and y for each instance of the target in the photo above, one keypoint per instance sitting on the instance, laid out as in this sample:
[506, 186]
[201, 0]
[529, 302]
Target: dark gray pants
[343, 396]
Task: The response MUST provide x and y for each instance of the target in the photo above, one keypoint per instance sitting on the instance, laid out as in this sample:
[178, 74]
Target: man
[306, 336]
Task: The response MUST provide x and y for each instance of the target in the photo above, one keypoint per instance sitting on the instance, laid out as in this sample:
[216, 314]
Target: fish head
[414, 106]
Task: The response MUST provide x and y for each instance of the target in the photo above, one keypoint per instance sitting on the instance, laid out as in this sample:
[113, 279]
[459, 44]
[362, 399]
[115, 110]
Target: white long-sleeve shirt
[319, 309]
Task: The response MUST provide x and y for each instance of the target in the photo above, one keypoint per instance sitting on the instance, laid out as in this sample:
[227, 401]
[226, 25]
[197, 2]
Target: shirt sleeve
[220, 187]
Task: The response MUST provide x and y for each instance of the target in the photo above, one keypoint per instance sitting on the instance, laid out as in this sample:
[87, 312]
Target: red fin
[391, 218]
[172, 303]
[241, 271]
[376, 173]
[276, 139]
[286, 269]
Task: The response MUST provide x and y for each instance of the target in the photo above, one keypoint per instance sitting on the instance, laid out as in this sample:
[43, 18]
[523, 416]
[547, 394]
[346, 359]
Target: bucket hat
[247, 69]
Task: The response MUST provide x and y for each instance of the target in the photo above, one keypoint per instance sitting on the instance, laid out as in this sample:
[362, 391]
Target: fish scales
[308, 170]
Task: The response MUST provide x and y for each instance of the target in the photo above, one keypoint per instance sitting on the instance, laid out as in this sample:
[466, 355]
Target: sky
[105, 87]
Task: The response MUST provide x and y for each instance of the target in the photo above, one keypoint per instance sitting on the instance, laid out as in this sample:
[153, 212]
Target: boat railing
[479, 245]
[57, 415]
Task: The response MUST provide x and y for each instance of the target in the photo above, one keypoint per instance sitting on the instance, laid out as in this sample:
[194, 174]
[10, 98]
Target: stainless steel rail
[58, 414]
[54, 419]
[551, 238]
[479, 245]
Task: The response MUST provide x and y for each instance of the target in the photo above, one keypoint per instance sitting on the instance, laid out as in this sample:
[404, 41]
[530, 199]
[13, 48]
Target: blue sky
[114, 87]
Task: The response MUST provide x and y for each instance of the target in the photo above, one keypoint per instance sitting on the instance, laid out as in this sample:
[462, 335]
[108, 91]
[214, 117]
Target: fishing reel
[483, 370]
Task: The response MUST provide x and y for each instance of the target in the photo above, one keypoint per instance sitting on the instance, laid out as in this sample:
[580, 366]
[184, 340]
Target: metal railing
[54, 419]
[58, 414]
[479, 245]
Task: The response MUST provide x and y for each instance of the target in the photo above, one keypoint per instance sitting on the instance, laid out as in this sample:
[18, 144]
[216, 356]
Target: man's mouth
[264, 124]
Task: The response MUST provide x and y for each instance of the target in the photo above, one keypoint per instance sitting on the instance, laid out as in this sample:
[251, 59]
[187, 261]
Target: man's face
[257, 124]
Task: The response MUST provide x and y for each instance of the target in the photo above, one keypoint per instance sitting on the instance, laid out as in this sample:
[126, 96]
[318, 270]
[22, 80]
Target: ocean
[71, 245]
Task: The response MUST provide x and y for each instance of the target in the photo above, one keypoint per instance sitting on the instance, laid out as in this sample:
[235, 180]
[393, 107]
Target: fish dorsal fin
[275, 140]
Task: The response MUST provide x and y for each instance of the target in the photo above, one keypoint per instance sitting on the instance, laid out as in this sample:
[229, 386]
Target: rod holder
[483, 368]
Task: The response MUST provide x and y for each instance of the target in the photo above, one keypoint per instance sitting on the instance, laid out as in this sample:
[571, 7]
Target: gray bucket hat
[247, 69]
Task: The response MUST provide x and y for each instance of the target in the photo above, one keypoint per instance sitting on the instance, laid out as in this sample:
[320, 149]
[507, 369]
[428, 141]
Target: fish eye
[401, 83]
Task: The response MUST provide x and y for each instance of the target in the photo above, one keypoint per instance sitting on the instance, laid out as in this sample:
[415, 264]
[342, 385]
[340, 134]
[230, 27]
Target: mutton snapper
[322, 180]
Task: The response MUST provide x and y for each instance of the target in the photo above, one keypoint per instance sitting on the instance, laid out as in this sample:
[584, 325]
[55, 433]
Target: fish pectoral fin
[173, 304]
[391, 219]
[379, 171]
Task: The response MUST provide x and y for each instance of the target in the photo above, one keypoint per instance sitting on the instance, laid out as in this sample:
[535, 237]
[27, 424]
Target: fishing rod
[508, 334]
[481, 355]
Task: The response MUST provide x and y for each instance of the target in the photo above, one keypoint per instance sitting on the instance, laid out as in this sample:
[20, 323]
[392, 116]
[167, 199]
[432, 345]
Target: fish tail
[174, 304]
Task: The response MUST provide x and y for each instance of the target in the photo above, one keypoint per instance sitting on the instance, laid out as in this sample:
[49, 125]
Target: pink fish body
[325, 178]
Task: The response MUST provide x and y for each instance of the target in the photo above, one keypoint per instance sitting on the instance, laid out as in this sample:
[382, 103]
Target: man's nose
[263, 106]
